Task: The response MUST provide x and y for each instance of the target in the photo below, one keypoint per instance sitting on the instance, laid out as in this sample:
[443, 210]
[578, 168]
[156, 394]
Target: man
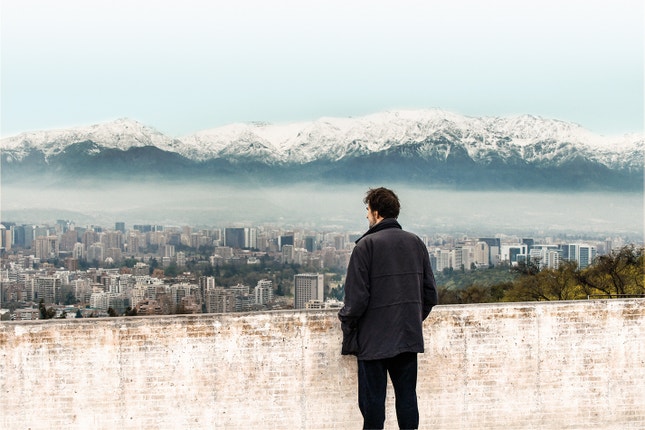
[389, 291]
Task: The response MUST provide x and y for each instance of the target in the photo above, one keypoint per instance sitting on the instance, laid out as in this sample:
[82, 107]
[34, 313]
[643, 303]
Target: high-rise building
[89, 238]
[112, 239]
[19, 235]
[237, 238]
[287, 254]
[71, 264]
[95, 252]
[310, 243]
[514, 253]
[47, 288]
[433, 262]
[167, 251]
[583, 254]
[308, 286]
[46, 247]
[545, 255]
[206, 282]
[134, 242]
[181, 259]
[5, 238]
[220, 300]
[286, 240]
[442, 260]
[78, 252]
[339, 242]
[63, 225]
[586, 255]
[68, 240]
[142, 228]
[30, 234]
[494, 249]
[252, 238]
[552, 259]
[263, 292]
[482, 254]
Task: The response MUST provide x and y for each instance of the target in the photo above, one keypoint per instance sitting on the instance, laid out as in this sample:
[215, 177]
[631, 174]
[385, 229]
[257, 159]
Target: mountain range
[427, 148]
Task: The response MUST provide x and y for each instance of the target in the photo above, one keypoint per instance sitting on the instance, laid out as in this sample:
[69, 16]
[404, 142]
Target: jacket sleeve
[430, 296]
[357, 296]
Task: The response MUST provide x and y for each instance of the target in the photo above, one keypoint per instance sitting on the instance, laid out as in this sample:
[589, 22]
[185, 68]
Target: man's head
[381, 203]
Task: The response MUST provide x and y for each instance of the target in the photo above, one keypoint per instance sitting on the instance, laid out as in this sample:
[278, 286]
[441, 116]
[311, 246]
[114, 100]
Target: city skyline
[45, 240]
[154, 269]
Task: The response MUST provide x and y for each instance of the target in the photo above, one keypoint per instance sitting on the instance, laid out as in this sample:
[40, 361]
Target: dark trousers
[372, 384]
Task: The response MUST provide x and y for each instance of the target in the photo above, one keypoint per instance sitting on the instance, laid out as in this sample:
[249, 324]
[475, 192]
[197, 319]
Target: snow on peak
[121, 134]
[333, 138]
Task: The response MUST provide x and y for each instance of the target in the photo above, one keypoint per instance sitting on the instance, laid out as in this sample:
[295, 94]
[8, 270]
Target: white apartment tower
[482, 253]
[263, 292]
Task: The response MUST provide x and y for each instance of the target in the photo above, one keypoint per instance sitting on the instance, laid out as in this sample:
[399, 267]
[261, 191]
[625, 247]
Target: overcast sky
[190, 65]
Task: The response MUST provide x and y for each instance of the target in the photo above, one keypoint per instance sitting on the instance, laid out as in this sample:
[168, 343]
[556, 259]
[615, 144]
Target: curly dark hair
[384, 201]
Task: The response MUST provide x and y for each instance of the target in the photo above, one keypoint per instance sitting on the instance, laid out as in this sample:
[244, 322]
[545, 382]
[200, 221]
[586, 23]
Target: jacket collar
[383, 225]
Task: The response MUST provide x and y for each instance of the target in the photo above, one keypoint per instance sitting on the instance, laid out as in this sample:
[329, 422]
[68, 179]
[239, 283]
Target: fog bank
[426, 211]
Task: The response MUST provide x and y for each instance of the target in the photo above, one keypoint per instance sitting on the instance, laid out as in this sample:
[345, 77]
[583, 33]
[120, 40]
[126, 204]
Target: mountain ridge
[423, 146]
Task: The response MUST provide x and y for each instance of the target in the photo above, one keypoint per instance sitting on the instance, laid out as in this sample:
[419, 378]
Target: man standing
[389, 291]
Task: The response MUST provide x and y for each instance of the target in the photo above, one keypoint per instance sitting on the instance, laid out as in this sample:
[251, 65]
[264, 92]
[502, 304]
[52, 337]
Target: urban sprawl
[67, 271]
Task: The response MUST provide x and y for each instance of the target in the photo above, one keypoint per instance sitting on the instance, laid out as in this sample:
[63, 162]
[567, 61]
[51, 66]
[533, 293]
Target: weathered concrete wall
[561, 365]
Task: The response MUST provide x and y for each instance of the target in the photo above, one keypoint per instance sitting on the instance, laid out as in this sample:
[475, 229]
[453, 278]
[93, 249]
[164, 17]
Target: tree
[525, 288]
[45, 313]
[561, 283]
[338, 292]
[130, 262]
[153, 264]
[172, 270]
[526, 268]
[68, 296]
[447, 296]
[620, 273]
[498, 291]
[475, 294]
[617, 274]
[546, 284]
[111, 312]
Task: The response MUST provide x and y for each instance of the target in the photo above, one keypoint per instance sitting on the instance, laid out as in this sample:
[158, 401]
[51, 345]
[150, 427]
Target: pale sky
[190, 65]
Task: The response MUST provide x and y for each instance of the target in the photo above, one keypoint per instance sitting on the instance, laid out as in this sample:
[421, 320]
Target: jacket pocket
[350, 341]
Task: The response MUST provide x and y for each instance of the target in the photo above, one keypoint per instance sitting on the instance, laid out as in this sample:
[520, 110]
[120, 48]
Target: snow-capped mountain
[337, 138]
[121, 134]
[422, 146]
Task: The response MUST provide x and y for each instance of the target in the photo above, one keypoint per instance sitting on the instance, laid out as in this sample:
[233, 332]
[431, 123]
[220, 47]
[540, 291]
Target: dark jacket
[389, 291]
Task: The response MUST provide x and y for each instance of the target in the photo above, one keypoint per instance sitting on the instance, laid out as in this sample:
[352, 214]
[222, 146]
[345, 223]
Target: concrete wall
[560, 365]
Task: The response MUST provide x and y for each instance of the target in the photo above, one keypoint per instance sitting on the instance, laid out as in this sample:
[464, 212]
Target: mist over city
[323, 206]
